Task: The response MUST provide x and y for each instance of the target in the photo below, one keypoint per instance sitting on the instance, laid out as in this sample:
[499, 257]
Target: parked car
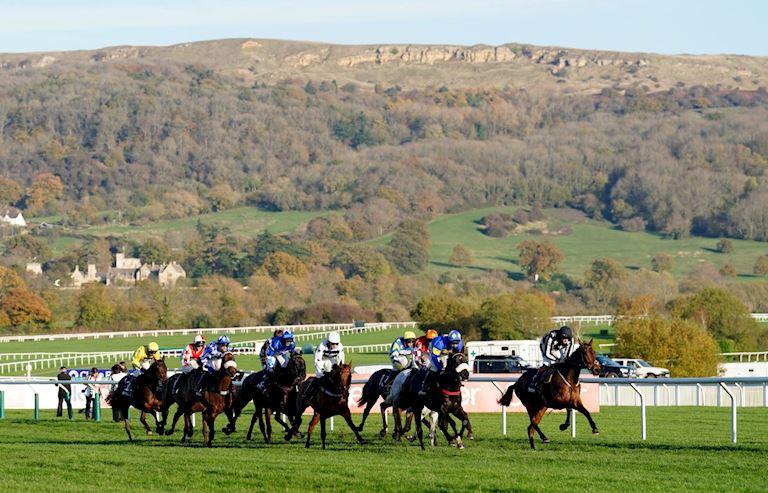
[500, 364]
[643, 368]
[611, 369]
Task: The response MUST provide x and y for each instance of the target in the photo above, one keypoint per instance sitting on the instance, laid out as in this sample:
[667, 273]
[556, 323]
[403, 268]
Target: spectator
[91, 393]
[65, 392]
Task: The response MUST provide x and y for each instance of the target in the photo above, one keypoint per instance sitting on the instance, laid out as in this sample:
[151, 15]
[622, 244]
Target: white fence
[317, 328]
[746, 357]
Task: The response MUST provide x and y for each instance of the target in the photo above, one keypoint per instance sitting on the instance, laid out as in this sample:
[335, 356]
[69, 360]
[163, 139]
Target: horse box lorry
[526, 349]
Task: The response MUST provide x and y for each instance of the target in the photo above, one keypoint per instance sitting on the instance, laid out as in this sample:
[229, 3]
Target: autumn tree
[724, 246]
[10, 192]
[45, 188]
[723, 315]
[683, 346]
[539, 258]
[661, 262]
[361, 260]
[20, 308]
[460, 256]
[408, 250]
[442, 310]
[761, 266]
[281, 263]
[519, 315]
[95, 307]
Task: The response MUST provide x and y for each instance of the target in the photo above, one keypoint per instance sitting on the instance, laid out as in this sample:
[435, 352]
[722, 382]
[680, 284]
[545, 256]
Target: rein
[451, 392]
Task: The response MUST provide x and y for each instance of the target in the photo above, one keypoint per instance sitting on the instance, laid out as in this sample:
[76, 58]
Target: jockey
[401, 351]
[211, 361]
[277, 334]
[144, 356]
[190, 358]
[556, 346]
[142, 359]
[279, 350]
[330, 352]
[421, 358]
[443, 346]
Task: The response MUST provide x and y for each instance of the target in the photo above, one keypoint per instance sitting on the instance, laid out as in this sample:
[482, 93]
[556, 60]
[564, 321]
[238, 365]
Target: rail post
[97, 407]
[331, 423]
[573, 423]
[699, 395]
[733, 411]
[37, 407]
[503, 420]
[2, 404]
[642, 409]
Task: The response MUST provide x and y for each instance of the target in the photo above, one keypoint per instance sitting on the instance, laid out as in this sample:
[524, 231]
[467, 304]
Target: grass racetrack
[688, 449]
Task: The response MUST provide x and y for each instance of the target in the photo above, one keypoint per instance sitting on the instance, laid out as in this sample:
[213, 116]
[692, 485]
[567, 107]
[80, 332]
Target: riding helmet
[153, 347]
[334, 338]
[223, 340]
[565, 332]
[287, 335]
[454, 336]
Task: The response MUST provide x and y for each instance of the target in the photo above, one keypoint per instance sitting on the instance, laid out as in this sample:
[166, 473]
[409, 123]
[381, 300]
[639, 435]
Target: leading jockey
[328, 353]
[556, 345]
[421, 353]
[142, 359]
[211, 361]
[442, 347]
[276, 335]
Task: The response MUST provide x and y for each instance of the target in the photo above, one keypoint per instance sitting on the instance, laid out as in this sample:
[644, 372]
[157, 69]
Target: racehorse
[216, 398]
[328, 398]
[562, 392]
[442, 395]
[377, 386]
[146, 396]
[280, 396]
[243, 396]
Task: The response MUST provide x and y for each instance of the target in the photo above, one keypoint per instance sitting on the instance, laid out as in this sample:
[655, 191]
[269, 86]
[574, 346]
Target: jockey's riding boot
[423, 389]
[200, 385]
[533, 386]
[262, 386]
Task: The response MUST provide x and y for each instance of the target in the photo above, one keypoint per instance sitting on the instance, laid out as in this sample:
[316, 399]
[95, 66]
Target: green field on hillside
[581, 240]
[688, 449]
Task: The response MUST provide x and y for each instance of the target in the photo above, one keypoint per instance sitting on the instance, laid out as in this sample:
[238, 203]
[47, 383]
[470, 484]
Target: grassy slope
[687, 450]
[588, 241]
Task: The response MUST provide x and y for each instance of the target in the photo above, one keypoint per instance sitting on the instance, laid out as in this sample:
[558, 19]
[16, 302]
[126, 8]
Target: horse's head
[344, 375]
[158, 370]
[588, 357]
[458, 363]
[229, 365]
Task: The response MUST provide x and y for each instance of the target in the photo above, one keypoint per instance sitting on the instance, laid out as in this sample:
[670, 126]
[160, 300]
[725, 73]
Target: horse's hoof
[470, 436]
[168, 433]
[460, 446]
[563, 427]
[410, 438]
[595, 431]
[383, 434]
[545, 440]
[149, 432]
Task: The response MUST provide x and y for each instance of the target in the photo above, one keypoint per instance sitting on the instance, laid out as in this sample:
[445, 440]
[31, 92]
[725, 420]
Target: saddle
[385, 384]
[124, 384]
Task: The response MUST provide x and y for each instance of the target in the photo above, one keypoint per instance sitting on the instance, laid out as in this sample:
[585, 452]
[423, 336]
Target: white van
[643, 368]
[525, 349]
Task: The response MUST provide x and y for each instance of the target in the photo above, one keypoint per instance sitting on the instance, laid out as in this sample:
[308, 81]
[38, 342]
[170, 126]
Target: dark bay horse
[443, 395]
[216, 399]
[377, 386]
[146, 396]
[562, 392]
[280, 397]
[328, 398]
[243, 396]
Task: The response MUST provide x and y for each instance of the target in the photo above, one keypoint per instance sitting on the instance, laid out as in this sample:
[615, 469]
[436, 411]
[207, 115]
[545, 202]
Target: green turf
[688, 450]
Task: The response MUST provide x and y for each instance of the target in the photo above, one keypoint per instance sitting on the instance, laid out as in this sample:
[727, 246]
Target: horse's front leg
[312, 424]
[179, 412]
[384, 424]
[583, 410]
[209, 418]
[268, 418]
[567, 421]
[127, 423]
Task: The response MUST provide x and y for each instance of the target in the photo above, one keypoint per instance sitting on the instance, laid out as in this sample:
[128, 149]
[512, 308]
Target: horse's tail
[364, 396]
[506, 399]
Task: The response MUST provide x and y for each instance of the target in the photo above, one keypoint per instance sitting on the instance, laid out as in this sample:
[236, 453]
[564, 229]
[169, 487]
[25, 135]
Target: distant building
[13, 217]
[129, 271]
[35, 268]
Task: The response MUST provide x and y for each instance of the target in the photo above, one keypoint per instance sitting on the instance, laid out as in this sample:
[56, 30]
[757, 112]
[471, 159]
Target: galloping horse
[280, 397]
[146, 396]
[329, 398]
[377, 386]
[216, 398]
[442, 394]
[562, 392]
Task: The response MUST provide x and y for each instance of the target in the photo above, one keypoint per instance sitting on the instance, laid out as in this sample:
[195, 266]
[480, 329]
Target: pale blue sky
[661, 26]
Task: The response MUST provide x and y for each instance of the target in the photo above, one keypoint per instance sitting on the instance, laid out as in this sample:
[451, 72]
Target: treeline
[147, 143]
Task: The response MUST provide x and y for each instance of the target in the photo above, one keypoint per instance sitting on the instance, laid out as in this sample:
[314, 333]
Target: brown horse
[442, 395]
[328, 398]
[216, 398]
[562, 392]
[280, 397]
[146, 396]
